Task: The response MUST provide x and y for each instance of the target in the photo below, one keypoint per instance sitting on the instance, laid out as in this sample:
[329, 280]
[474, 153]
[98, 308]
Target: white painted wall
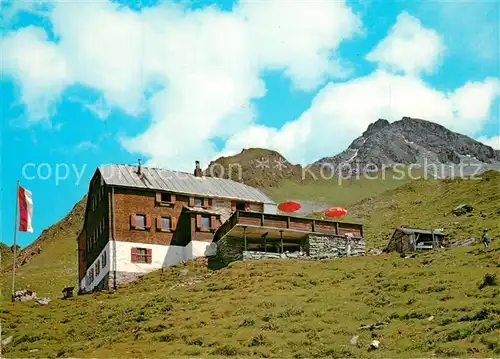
[196, 249]
[270, 208]
[162, 256]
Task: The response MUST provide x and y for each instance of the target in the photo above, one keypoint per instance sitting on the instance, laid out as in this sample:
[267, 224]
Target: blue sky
[89, 83]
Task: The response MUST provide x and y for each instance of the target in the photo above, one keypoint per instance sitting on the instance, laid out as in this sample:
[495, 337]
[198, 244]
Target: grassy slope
[288, 309]
[6, 255]
[428, 204]
[337, 192]
[292, 309]
[50, 261]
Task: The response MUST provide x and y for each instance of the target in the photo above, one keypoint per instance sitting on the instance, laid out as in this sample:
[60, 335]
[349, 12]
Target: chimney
[197, 170]
[139, 167]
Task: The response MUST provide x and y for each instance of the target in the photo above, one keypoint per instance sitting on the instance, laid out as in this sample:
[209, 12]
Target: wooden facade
[414, 239]
[256, 226]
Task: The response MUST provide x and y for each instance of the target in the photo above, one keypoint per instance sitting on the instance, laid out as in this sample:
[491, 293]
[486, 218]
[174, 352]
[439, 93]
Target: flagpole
[15, 245]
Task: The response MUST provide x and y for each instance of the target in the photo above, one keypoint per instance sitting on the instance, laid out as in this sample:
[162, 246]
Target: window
[91, 275]
[141, 255]
[140, 220]
[104, 259]
[241, 206]
[198, 202]
[165, 222]
[97, 268]
[166, 197]
[205, 223]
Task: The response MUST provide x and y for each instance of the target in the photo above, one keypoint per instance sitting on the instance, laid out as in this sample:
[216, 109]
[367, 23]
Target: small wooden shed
[414, 239]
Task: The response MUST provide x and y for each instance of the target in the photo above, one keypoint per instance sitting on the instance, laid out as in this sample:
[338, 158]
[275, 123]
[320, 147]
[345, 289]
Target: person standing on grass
[486, 239]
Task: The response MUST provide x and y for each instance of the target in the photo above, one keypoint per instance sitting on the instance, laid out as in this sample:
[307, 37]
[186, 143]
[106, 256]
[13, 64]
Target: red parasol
[335, 212]
[289, 206]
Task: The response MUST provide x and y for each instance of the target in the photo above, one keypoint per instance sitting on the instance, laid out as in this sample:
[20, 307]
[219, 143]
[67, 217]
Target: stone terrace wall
[230, 250]
[252, 255]
[324, 246]
[318, 246]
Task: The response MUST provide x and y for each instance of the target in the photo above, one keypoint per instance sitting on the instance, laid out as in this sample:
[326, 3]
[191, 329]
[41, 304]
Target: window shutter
[213, 222]
[133, 255]
[158, 223]
[233, 206]
[191, 201]
[210, 203]
[149, 255]
[198, 221]
[148, 221]
[172, 198]
[247, 206]
[158, 197]
[205, 202]
[173, 223]
[133, 223]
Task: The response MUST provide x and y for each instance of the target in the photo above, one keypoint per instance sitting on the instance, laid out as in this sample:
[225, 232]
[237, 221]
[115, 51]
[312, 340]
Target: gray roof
[406, 230]
[180, 182]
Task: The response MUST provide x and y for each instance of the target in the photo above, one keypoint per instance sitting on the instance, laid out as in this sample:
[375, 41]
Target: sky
[86, 83]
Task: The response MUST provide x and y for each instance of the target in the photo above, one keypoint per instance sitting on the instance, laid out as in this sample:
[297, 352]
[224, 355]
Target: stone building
[140, 219]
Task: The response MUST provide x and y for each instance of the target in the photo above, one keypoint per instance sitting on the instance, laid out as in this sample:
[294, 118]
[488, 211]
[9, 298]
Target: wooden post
[265, 240]
[262, 219]
[245, 238]
[281, 237]
[336, 228]
[314, 225]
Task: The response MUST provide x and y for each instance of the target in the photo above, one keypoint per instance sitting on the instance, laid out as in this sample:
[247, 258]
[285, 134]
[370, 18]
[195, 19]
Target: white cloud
[409, 47]
[39, 67]
[206, 66]
[206, 62]
[493, 141]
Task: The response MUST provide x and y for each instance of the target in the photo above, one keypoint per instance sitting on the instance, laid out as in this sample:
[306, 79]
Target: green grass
[428, 204]
[292, 309]
[336, 191]
[48, 272]
[5, 255]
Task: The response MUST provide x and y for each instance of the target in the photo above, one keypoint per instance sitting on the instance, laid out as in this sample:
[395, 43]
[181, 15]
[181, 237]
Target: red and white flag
[25, 209]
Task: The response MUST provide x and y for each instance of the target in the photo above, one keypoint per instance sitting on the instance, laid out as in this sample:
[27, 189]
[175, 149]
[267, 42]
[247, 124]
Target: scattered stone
[7, 340]
[375, 344]
[34, 350]
[43, 301]
[24, 295]
[431, 318]
[498, 211]
[354, 339]
[372, 326]
[462, 209]
[375, 251]
[466, 242]
[483, 214]
[183, 272]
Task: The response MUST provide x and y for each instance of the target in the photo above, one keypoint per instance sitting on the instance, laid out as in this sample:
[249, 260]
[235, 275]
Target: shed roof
[407, 230]
[180, 182]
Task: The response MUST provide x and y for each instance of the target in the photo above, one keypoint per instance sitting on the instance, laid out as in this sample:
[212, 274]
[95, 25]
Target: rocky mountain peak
[375, 127]
[414, 141]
